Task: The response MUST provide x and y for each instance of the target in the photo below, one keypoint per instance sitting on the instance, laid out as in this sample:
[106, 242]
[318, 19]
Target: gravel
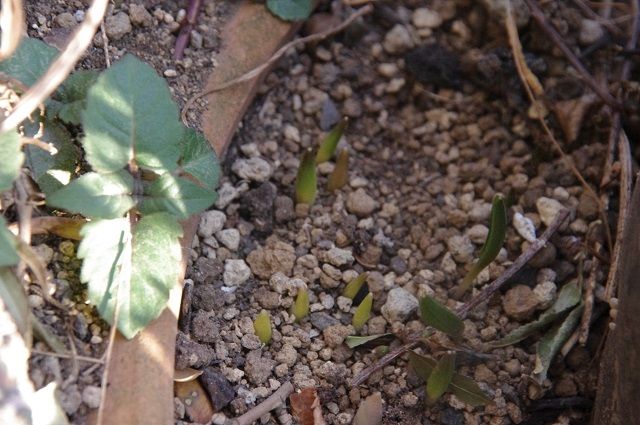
[236, 272]
[399, 306]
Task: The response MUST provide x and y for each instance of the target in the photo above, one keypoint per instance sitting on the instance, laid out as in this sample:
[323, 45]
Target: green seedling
[338, 178]
[440, 317]
[307, 180]
[363, 312]
[441, 377]
[262, 327]
[300, 308]
[491, 247]
[330, 142]
[369, 341]
[353, 287]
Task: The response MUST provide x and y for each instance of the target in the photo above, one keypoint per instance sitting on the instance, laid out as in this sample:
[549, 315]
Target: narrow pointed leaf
[340, 174]
[492, 246]
[370, 411]
[441, 376]
[177, 196]
[330, 142]
[130, 115]
[123, 265]
[552, 341]
[29, 62]
[423, 366]
[8, 246]
[262, 327]
[291, 10]
[440, 317]
[468, 391]
[353, 287]
[363, 312]
[12, 158]
[353, 341]
[15, 301]
[199, 160]
[307, 180]
[568, 297]
[300, 308]
[96, 195]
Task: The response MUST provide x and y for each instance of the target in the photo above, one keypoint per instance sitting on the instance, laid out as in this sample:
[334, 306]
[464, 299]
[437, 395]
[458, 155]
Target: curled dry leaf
[186, 375]
[570, 114]
[305, 407]
[370, 411]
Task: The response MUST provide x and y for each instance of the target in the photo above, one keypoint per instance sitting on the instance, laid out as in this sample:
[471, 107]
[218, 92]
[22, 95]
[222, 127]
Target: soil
[439, 124]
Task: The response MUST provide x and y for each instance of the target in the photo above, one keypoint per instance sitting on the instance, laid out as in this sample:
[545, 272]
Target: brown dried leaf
[370, 411]
[305, 407]
[195, 400]
[518, 56]
[571, 113]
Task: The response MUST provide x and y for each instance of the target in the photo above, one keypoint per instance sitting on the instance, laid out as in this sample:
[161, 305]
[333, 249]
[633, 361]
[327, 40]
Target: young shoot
[262, 327]
[491, 247]
[300, 308]
[353, 287]
[338, 178]
[363, 312]
[330, 142]
[307, 180]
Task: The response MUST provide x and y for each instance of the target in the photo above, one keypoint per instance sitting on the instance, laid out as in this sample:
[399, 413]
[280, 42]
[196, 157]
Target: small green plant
[435, 314]
[300, 308]
[329, 144]
[307, 180]
[262, 327]
[353, 288]
[147, 172]
[362, 313]
[340, 174]
[491, 247]
[441, 376]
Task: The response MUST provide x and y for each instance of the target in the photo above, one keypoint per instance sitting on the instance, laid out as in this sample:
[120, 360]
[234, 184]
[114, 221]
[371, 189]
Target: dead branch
[12, 25]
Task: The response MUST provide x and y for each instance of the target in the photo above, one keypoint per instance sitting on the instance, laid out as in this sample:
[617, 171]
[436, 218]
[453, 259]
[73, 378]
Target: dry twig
[68, 356]
[589, 290]
[187, 26]
[277, 55]
[12, 25]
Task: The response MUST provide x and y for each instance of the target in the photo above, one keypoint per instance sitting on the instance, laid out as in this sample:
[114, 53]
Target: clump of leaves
[262, 327]
[329, 144]
[300, 308]
[148, 172]
[291, 10]
[363, 312]
[307, 180]
[491, 247]
[340, 174]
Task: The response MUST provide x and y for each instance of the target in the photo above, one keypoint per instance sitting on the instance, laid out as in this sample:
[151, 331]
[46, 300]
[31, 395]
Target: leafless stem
[187, 26]
[589, 289]
[59, 69]
[382, 362]
[39, 143]
[277, 55]
[68, 356]
[12, 25]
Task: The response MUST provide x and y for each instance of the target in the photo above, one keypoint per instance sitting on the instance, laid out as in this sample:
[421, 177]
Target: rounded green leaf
[177, 196]
[12, 158]
[130, 115]
[29, 62]
[199, 160]
[96, 195]
[291, 10]
[441, 376]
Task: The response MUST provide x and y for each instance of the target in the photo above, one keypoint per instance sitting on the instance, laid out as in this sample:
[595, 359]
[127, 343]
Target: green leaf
[291, 10]
[370, 411]
[12, 158]
[363, 312]
[440, 317]
[441, 376]
[353, 341]
[45, 407]
[137, 268]
[51, 172]
[552, 341]
[262, 327]
[340, 174]
[307, 180]
[199, 160]
[177, 196]
[96, 195]
[462, 387]
[568, 297]
[353, 287]
[330, 142]
[72, 95]
[130, 115]
[491, 247]
[8, 246]
[30, 61]
[300, 308]
[15, 299]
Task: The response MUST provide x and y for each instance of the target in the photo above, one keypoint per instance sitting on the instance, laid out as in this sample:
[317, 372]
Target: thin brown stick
[523, 259]
[105, 44]
[48, 147]
[382, 362]
[277, 55]
[187, 26]
[548, 28]
[589, 290]
[591, 14]
[12, 25]
[59, 69]
[68, 356]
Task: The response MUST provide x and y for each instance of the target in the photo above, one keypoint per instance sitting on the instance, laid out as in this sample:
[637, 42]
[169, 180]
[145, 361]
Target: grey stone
[397, 40]
[519, 302]
[91, 396]
[334, 335]
[339, 257]
[70, 399]
[235, 272]
[211, 222]
[287, 355]
[461, 248]
[229, 238]
[256, 169]
[117, 26]
[360, 203]
[426, 18]
[65, 20]
[258, 368]
[323, 320]
[277, 256]
[399, 306]
[284, 209]
[590, 32]
[191, 354]
[548, 208]
[139, 15]
[218, 387]
[204, 326]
